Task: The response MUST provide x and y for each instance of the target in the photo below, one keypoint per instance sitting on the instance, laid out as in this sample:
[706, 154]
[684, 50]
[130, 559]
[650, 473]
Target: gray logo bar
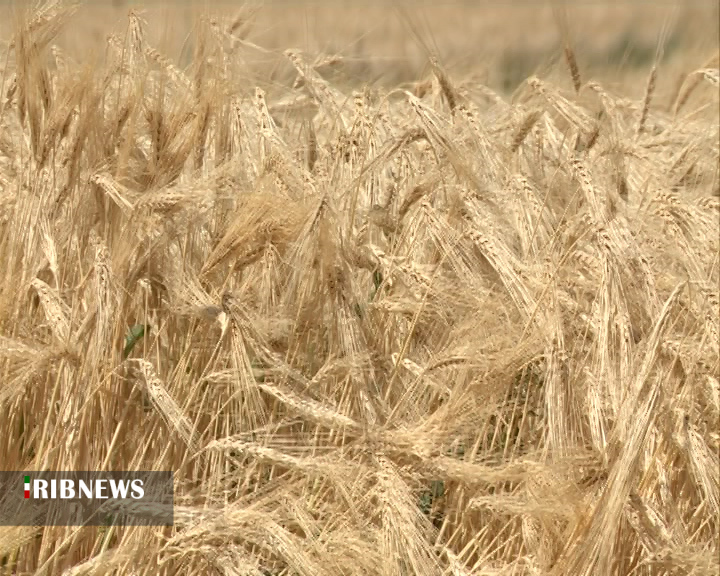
[86, 498]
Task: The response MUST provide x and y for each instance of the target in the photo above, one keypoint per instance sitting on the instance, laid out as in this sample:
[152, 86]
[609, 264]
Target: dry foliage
[431, 331]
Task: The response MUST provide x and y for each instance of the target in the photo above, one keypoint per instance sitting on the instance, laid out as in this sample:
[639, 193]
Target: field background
[496, 43]
[434, 293]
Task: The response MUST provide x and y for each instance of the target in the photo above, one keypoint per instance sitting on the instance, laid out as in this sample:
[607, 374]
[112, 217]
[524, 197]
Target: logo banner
[86, 498]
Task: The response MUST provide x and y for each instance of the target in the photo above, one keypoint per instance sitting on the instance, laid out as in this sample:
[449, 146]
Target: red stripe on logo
[27, 493]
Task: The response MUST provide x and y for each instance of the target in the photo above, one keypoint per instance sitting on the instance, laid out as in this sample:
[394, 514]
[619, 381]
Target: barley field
[383, 309]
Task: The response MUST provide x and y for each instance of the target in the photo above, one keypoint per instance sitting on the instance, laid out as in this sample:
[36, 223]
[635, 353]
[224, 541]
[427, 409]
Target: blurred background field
[496, 43]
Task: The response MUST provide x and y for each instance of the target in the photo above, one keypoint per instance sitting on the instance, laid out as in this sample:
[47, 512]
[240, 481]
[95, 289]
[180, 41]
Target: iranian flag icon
[27, 486]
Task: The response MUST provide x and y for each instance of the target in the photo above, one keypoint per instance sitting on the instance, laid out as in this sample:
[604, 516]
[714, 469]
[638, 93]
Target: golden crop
[430, 328]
